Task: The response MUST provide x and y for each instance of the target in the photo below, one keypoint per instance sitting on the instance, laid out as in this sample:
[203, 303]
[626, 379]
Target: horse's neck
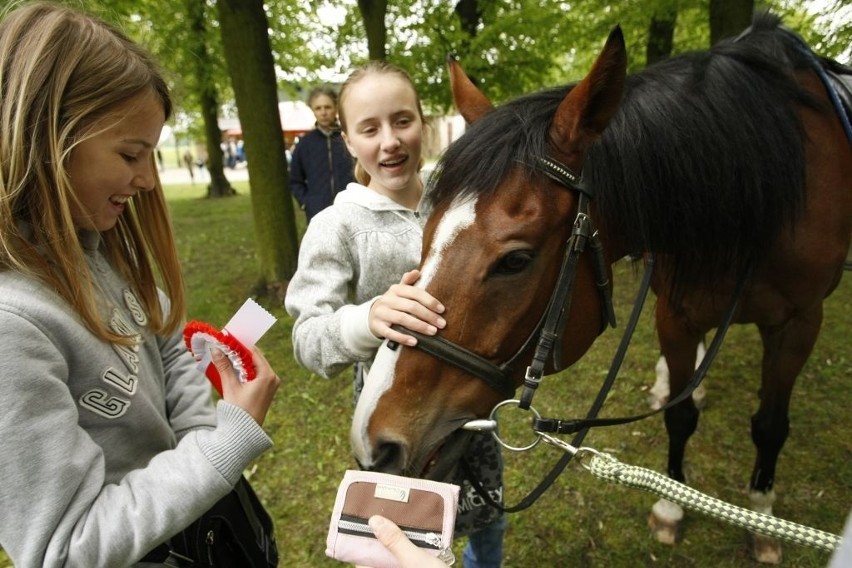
[615, 245]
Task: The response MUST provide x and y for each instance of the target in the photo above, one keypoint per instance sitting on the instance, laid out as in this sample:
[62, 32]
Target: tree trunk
[219, 184]
[660, 37]
[469, 15]
[373, 13]
[729, 17]
[244, 28]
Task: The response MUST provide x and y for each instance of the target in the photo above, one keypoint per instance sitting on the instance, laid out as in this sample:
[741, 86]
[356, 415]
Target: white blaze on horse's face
[460, 215]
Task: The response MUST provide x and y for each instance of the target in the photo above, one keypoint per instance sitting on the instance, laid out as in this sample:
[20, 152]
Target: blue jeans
[485, 547]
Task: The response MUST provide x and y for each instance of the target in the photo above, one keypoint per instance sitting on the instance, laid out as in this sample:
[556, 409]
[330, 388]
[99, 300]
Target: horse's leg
[678, 344]
[658, 394]
[699, 395]
[786, 348]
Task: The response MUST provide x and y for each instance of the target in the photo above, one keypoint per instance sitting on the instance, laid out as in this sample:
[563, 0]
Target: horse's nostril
[389, 457]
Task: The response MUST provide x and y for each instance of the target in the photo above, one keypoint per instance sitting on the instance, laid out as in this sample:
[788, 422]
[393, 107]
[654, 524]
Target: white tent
[296, 118]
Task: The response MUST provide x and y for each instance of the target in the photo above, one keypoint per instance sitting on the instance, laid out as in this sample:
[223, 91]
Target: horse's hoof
[766, 550]
[664, 531]
[665, 521]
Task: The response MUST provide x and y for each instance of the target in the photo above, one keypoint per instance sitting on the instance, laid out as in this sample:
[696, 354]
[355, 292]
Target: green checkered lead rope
[607, 467]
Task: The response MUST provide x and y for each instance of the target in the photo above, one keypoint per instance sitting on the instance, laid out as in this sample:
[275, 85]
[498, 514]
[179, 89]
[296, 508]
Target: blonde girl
[110, 440]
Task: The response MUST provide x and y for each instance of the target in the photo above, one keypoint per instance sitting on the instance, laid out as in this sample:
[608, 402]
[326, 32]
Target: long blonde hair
[62, 73]
[379, 67]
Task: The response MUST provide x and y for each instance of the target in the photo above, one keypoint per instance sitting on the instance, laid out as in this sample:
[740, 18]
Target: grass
[580, 520]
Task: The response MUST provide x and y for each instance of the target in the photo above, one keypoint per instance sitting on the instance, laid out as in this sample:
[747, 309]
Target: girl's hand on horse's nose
[410, 278]
[406, 305]
[255, 396]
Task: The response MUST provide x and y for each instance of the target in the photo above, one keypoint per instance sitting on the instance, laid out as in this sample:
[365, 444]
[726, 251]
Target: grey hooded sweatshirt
[107, 451]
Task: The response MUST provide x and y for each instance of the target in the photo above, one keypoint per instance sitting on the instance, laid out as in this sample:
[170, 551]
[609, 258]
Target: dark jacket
[320, 168]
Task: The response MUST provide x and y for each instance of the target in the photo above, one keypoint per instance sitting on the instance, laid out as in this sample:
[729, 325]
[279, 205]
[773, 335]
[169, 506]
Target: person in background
[355, 276]
[109, 439]
[190, 164]
[320, 165]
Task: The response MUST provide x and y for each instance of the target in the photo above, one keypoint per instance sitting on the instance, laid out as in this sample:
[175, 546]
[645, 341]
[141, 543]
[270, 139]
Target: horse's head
[506, 204]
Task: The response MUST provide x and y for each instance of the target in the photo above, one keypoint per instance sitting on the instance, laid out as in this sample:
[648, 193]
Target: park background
[238, 233]
[227, 59]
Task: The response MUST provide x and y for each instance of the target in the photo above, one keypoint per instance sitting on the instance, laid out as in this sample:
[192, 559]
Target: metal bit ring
[493, 416]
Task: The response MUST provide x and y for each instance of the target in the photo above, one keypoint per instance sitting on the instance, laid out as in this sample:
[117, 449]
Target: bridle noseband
[548, 332]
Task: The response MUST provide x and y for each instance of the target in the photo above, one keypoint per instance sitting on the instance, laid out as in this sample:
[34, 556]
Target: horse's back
[806, 262]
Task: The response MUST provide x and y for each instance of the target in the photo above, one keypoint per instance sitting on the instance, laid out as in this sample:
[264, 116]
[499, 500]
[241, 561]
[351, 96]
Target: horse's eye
[514, 262]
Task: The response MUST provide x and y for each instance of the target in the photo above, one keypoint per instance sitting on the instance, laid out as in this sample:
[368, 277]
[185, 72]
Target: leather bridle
[548, 332]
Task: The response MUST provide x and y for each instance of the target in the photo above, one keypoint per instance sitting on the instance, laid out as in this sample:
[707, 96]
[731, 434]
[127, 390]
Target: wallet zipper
[423, 539]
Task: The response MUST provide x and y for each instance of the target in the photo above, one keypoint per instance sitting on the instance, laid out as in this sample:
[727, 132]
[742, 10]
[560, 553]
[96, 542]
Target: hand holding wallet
[425, 510]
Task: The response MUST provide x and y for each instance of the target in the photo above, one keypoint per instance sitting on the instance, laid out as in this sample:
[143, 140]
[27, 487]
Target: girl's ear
[348, 145]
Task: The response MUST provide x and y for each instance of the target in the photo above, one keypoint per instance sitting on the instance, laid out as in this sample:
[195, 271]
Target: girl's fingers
[408, 299]
[408, 555]
[410, 277]
[226, 370]
[408, 314]
[256, 396]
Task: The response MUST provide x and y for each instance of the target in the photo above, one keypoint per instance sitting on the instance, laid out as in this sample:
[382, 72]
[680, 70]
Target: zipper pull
[445, 555]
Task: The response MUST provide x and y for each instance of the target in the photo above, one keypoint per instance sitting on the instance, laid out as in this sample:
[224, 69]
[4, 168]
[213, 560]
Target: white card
[250, 323]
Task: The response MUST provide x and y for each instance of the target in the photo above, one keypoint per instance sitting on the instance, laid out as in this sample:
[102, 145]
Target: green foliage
[829, 33]
[164, 28]
[526, 37]
[302, 39]
[518, 45]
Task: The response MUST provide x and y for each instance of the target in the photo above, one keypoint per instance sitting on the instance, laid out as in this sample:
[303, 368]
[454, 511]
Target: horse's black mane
[703, 161]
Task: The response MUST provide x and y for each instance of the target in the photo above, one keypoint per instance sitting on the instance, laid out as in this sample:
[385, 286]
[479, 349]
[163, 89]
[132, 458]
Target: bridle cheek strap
[582, 233]
[549, 339]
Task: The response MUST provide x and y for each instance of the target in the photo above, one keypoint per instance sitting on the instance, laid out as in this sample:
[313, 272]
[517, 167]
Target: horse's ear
[586, 110]
[469, 100]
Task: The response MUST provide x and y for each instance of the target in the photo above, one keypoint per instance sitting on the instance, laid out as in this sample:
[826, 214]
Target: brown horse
[722, 163]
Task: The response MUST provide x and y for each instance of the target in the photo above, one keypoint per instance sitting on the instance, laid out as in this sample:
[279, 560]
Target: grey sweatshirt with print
[107, 451]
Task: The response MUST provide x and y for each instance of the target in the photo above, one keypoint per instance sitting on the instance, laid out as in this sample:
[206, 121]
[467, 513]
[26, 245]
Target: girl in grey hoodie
[356, 276]
[110, 441]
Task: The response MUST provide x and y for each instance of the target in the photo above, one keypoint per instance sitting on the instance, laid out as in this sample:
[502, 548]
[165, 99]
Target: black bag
[236, 532]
